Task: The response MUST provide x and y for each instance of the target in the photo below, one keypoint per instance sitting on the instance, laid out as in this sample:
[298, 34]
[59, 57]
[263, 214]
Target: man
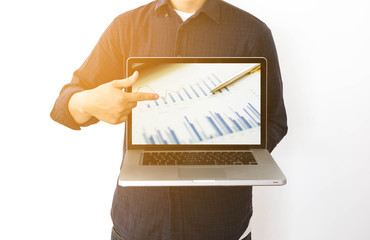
[188, 28]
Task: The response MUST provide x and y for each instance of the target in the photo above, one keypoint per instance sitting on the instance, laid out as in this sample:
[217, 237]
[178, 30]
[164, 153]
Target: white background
[56, 183]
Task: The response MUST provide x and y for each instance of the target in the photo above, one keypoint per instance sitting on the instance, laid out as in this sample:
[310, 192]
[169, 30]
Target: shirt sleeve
[104, 64]
[276, 113]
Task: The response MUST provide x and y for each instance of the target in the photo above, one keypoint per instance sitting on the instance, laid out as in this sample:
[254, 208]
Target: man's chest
[195, 39]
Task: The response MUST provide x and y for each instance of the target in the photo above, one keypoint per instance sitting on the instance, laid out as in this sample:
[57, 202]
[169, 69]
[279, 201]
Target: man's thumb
[127, 82]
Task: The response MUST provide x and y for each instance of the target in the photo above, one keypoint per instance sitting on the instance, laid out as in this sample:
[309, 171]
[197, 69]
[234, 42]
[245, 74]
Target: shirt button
[166, 15]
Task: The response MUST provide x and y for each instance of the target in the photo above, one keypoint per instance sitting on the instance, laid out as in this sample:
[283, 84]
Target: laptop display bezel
[137, 61]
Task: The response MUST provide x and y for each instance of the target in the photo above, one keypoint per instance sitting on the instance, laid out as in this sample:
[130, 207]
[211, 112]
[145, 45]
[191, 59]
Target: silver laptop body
[192, 136]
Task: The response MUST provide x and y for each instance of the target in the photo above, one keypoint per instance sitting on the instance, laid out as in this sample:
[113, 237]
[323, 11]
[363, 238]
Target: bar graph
[188, 113]
[210, 126]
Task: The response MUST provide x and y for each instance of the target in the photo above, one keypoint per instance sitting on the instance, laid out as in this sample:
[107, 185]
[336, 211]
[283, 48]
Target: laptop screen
[204, 102]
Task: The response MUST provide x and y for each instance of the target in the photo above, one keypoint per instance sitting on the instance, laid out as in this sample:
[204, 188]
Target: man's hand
[107, 102]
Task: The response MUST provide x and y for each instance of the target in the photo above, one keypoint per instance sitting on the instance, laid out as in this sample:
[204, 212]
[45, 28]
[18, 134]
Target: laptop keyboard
[198, 158]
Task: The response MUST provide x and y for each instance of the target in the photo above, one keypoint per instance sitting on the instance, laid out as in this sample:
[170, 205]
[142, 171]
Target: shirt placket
[176, 214]
[181, 41]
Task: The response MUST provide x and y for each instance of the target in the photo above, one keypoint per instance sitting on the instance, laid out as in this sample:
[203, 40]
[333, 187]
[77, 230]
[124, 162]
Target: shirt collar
[211, 8]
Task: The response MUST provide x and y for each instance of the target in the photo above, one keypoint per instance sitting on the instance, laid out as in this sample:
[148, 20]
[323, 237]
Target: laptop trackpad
[201, 173]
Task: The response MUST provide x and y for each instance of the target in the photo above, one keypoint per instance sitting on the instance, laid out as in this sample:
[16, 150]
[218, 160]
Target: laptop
[208, 127]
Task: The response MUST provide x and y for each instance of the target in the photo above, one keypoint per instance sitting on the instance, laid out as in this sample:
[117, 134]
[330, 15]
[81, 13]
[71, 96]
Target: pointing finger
[141, 96]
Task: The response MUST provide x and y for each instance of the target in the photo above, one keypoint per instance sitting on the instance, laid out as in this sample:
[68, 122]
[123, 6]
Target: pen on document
[236, 77]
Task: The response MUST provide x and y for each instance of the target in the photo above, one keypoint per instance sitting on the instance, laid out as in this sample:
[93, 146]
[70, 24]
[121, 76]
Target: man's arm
[105, 64]
[276, 114]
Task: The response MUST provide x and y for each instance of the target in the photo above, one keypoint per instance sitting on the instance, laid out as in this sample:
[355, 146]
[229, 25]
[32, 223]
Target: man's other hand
[107, 102]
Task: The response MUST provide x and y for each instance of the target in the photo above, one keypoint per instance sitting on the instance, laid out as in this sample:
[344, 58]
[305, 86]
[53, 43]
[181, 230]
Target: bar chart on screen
[185, 92]
[188, 113]
[211, 126]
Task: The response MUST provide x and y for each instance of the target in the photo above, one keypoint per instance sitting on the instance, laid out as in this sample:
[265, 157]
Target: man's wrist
[77, 107]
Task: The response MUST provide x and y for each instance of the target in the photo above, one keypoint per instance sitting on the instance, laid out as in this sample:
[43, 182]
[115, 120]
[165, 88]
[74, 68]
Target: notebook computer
[194, 135]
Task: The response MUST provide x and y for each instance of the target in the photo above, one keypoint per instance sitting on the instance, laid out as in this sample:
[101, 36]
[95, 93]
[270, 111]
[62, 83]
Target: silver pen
[247, 71]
